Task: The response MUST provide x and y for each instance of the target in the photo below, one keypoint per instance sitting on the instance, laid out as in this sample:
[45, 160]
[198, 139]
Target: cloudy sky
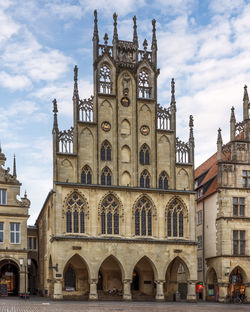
[204, 45]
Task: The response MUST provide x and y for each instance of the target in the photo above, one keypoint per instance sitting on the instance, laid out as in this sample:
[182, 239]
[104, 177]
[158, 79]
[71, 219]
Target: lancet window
[70, 278]
[144, 155]
[86, 176]
[105, 84]
[75, 215]
[144, 85]
[175, 219]
[143, 217]
[85, 110]
[145, 179]
[106, 176]
[163, 181]
[106, 151]
[110, 215]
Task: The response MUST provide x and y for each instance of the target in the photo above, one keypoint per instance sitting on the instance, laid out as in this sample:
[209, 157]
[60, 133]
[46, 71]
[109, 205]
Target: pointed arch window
[105, 83]
[143, 217]
[163, 181]
[75, 215]
[106, 151]
[145, 179]
[110, 215]
[175, 219]
[106, 176]
[144, 155]
[86, 176]
[70, 278]
[144, 84]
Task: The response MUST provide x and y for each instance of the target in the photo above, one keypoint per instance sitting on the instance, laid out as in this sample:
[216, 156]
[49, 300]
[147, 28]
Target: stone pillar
[93, 290]
[22, 282]
[223, 290]
[58, 289]
[191, 295]
[127, 289]
[159, 291]
[247, 291]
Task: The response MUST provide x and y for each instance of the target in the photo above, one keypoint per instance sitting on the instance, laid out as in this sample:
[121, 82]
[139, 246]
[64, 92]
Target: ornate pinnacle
[245, 98]
[145, 45]
[135, 37]
[2, 157]
[191, 125]
[154, 41]
[106, 38]
[219, 138]
[55, 111]
[14, 167]
[25, 194]
[75, 93]
[232, 115]
[173, 94]
[95, 35]
[115, 36]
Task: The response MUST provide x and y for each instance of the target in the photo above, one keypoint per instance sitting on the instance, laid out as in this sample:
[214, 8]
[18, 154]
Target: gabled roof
[206, 175]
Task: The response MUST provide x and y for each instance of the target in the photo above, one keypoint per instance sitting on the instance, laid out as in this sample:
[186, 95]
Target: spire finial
[154, 41]
[2, 157]
[25, 194]
[245, 94]
[219, 138]
[173, 93]
[75, 93]
[145, 45]
[232, 114]
[115, 36]
[191, 126]
[95, 35]
[55, 111]
[14, 167]
[135, 37]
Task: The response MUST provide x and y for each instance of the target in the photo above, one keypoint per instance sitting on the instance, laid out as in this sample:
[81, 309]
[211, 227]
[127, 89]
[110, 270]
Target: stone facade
[222, 184]
[120, 220]
[13, 232]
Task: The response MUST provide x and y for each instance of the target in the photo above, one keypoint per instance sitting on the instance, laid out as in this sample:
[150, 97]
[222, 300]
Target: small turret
[154, 44]
[245, 104]
[232, 125]
[95, 38]
[14, 167]
[219, 145]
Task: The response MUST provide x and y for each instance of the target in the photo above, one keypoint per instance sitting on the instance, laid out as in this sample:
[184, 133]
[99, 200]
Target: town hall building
[120, 220]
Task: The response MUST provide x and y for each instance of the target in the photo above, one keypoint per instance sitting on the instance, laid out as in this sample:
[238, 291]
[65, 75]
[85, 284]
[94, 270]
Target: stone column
[247, 291]
[58, 289]
[22, 282]
[191, 295]
[223, 289]
[127, 289]
[93, 290]
[159, 291]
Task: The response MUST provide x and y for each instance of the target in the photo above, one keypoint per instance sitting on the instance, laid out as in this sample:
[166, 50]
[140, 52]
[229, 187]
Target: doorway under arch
[176, 285]
[237, 280]
[143, 286]
[10, 277]
[212, 291]
[76, 278]
[110, 286]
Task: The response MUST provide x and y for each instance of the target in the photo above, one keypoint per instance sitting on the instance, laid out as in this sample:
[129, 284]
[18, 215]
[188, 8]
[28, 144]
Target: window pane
[147, 182]
[109, 223]
[175, 223]
[103, 179]
[108, 179]
[235, 210]
[244, 173]
[108, 153]
[83, 178]
[1, 237]
[103, 223]
[143, 222]
[89, 178]
[242, 210]
[141, 181]
[137, 222]
[116, 223]
[235, 235]
[160, 183]
[12, 226]
[147, 157]
[82, 229]
[235, 247]
[12, 237]
[169, 223]
[242, 247]
[30, 242]
[181, 224]
[149, 223]
[165, 183]
[242, 235]
[1, 226]
[17, 237]
[34, 242]
[17, 226]
[69, 222]
[242, 200]
[76, 222]
[235, 200]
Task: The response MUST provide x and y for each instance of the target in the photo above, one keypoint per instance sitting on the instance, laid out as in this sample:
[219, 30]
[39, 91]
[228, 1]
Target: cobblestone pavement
[44, 305]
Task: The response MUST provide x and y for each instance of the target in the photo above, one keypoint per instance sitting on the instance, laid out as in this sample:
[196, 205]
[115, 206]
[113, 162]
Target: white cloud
[14, 82]
[7, 25]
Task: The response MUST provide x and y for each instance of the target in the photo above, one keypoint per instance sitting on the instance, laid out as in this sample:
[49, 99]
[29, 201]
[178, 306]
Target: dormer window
[200, 192]
[3, 197]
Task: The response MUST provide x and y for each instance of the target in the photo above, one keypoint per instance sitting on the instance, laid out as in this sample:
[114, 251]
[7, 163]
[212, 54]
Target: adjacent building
[223, 214]
[120, 220]
[13, 233]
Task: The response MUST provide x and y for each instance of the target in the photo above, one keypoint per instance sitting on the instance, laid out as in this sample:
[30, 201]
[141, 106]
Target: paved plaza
[43, 305]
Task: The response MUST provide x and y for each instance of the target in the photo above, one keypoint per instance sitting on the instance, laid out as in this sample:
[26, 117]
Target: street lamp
[227, 271]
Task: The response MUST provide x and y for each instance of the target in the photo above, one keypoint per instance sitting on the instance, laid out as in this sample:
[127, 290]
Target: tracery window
[143, 217]
[144, 155]
[145, 179]
[86, 176]
[75, 215]
[110, 215]
[144, 85]
[106, 151]
[106, 176]
[175, 219]
[105, 84]
[163, 181]
[70, 278]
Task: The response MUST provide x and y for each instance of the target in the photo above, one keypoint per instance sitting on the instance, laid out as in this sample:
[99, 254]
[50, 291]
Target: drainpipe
[203, 251]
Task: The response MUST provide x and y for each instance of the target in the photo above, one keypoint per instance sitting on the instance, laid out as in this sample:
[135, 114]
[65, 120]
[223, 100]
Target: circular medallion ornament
[144, 130]
[106, 126]
[125, 101]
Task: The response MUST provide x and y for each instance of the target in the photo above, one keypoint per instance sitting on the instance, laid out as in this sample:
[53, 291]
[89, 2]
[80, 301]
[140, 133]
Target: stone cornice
[123, 240]
[234, 218]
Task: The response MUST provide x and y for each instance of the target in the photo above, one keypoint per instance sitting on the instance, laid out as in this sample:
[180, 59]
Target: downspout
[203, 251]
